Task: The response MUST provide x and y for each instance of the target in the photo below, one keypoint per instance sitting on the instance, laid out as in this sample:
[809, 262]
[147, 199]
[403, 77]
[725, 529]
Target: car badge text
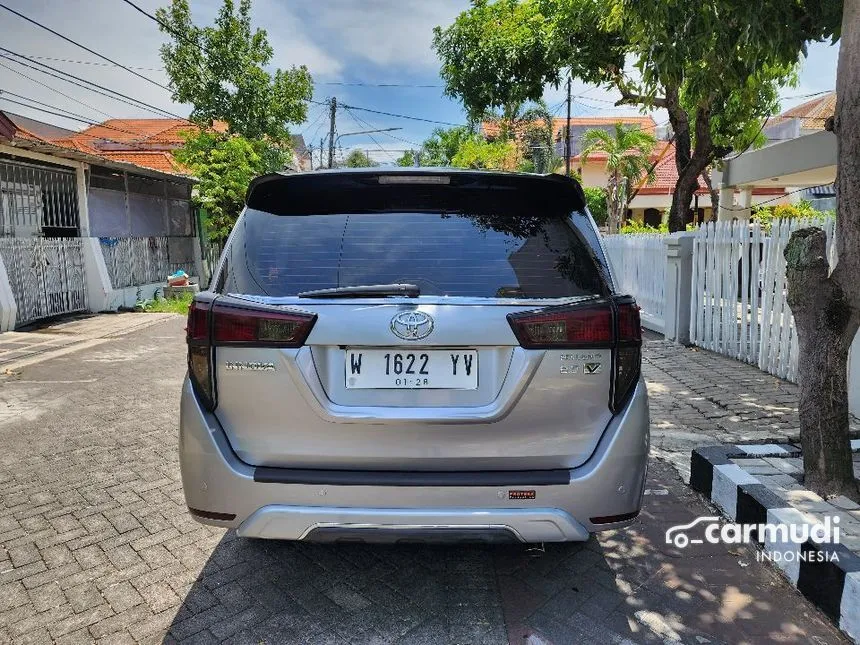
[250, 366]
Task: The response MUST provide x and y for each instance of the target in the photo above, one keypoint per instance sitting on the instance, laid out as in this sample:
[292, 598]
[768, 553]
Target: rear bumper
[224, 491]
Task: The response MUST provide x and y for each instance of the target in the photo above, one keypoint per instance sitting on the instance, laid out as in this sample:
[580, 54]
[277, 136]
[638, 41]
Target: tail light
[602, 324]
[212, 325]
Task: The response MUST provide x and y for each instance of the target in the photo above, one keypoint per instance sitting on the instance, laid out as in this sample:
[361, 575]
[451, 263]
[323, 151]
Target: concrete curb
[832, 586]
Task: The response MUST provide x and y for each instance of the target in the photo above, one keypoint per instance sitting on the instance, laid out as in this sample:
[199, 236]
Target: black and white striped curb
[831, 584]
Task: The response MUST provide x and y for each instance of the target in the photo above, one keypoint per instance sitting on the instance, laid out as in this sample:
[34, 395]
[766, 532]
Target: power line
[113, 94]
[87, 62]
[133, 144]
[370, 136]
[359, 84]
[400, 116]
[53, 89]
[372, 127]
[74, 116]
[54, 113]
[84, 47]
[313, 123]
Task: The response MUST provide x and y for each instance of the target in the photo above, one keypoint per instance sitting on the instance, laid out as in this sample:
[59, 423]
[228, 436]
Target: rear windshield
[479, 256]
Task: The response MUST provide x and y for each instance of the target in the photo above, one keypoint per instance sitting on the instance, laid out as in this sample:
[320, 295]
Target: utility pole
[333, 109]
[322, 151]
[567, 134]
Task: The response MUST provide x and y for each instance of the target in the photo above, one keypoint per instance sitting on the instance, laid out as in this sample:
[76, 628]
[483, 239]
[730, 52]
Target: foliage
[803, 209]
[628, 153]
[224, 165]
[407, 159]
[222, 72]
[537, 138]
[595, 198]
[477, 154]
[166, 305]
[439, 148]
[501, 54]
[635, 227]
[359, 159]
[714, 66]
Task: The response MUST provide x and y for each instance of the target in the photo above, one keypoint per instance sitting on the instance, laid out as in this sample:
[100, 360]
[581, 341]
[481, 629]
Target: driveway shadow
[624, 584]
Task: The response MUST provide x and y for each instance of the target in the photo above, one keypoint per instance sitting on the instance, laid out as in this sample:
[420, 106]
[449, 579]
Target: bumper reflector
[211, 515]
[611, 519]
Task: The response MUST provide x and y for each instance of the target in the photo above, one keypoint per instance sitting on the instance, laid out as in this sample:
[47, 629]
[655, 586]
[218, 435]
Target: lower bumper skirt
[395, 525]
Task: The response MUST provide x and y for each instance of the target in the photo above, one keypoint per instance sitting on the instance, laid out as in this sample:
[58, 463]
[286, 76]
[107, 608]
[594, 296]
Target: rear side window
[480, 256]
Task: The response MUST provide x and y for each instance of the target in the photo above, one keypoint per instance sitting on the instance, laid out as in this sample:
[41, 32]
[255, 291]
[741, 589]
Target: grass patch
[167, 305]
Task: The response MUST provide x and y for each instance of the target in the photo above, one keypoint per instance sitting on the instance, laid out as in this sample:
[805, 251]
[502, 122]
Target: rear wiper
[365, 291]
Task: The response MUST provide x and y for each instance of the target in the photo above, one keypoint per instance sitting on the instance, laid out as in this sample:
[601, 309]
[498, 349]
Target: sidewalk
[19, 349]
[699, 398]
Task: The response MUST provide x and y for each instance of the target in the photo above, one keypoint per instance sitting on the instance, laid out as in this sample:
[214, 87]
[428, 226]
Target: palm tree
[628, 151]
[530, 125]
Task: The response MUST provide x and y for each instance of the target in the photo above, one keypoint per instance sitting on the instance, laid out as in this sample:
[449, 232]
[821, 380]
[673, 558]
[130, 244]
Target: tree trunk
[825, 328]
[688, 182]
[614, 205]
[689, 161]
[826, 307]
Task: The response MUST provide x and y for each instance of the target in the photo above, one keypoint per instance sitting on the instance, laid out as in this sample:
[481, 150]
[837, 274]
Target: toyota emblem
[412, 325]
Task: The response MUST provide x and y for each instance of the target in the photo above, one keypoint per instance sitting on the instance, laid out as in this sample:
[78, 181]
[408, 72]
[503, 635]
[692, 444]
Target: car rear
[414, 355]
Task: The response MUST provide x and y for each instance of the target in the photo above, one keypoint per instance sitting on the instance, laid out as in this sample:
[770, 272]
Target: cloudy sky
[350, 47]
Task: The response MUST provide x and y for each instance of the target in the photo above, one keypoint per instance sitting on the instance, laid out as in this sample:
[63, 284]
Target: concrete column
[745, 204]
[83, 206]
[198, 261]
[99, 289]
[8, 308]
[725, 209]
[854, 377]
[677, 293]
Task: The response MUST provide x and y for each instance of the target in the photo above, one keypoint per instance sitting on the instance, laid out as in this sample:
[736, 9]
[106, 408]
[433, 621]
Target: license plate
[429, 369]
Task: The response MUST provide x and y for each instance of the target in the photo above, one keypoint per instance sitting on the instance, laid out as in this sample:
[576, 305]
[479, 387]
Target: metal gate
[46, 275]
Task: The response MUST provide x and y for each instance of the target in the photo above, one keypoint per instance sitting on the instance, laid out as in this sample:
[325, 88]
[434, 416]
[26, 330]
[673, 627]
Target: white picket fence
[738, 303]
[639, 268]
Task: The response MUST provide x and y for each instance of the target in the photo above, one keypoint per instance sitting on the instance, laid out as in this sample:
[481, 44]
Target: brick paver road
[96, 545]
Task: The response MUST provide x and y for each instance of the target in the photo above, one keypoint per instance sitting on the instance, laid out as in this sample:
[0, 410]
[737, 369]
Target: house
[85, 228]
[800, 158]
[152, 142]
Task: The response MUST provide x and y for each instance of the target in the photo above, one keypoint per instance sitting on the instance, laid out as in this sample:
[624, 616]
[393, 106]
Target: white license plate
[395, 369]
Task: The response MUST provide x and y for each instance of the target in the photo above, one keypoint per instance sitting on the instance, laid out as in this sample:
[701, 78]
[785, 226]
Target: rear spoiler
[444, 189]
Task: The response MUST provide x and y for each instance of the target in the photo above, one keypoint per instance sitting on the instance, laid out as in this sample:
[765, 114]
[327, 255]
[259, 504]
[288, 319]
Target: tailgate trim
[269, 475]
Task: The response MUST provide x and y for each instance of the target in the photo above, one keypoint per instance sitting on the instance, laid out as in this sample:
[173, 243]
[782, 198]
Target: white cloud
[396, 33]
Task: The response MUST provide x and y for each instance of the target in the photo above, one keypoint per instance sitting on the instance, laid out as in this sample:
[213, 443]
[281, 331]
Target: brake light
[261, 327]
[564, 328]
[606, 324]
[200, 353]
[219, 325]
[628, 353]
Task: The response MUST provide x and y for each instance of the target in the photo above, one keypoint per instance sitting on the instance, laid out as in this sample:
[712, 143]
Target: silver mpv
[405, 355]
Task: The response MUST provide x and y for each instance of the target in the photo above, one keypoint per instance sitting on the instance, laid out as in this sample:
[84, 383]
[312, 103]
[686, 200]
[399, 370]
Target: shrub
[595, 198]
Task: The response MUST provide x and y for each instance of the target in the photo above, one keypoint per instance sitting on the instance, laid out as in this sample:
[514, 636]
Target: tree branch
[628, 98]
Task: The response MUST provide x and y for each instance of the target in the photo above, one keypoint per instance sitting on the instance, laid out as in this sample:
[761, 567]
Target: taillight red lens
[575, 327]
[265, 327]
[198, 321]
[629, 325]
[200, 353]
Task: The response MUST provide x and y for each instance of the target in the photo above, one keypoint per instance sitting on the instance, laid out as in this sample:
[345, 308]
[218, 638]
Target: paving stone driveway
[96, 545]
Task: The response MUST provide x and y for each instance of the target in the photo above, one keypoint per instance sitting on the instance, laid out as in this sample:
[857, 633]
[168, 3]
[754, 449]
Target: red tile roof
[491, 128]
[813, 113]
[666, 174]
[157, 160]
